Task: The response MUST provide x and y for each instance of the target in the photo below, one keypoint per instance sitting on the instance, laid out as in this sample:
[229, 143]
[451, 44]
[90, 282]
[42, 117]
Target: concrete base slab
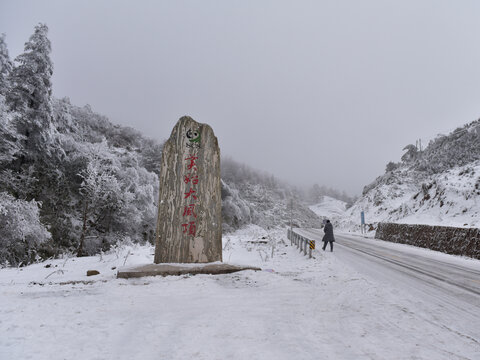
[180, 269]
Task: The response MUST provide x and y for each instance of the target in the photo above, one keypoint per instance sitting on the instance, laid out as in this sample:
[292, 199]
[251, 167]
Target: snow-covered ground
[295, 308]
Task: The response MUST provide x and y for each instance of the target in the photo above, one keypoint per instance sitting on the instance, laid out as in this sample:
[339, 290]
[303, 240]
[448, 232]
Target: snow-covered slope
[451, 198]
[438, 186]
[329, 208]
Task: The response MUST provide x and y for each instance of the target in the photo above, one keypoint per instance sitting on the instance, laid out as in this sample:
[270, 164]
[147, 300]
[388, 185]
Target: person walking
[328, 237]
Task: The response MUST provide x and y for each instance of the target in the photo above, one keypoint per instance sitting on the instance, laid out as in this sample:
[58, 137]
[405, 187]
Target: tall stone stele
[189, 224]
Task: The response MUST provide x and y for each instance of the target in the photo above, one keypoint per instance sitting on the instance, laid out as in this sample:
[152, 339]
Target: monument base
[180, 269]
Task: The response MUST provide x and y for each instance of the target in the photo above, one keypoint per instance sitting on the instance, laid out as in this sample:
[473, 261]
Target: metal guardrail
[301, 242]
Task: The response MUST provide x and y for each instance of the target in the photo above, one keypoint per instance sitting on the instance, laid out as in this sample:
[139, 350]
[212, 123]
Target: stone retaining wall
[450, 240]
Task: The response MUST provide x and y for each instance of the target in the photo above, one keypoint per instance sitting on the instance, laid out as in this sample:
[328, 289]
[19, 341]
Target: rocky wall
[450, 240]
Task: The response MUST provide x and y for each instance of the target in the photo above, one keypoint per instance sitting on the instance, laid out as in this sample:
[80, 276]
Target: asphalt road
[427, 274]
[444, 289]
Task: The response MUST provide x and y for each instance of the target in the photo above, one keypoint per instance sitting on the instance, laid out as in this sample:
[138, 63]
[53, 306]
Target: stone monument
[189, 224]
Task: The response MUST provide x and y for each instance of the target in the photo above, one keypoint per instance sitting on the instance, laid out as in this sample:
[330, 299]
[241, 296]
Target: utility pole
[291, 221]
[362, 222]
[291, 214]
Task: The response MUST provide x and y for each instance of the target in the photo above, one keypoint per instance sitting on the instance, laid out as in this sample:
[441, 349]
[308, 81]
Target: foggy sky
[320, 92]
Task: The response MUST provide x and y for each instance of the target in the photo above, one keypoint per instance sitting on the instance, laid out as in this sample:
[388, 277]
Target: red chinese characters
[190, 227]
[189, 210]
[193, 178]
[190, 193]
[192, 164]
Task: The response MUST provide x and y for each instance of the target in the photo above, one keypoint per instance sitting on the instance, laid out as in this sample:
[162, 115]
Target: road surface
[439, 282]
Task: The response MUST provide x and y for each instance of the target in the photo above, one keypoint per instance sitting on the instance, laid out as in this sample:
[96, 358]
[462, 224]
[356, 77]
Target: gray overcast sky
[320, 92]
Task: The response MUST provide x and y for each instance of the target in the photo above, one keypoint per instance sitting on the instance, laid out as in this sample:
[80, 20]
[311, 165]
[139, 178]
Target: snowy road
[438, 281]
[454, 278]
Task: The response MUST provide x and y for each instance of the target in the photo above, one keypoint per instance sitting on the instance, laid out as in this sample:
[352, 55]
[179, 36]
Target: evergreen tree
[411, 153]
[5, 66]
[31, 91]
[8, 137]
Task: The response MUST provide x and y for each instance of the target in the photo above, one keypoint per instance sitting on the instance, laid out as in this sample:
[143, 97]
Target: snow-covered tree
[5, 66]
[315, 194]
[411, 153]
[137, 217]
[391, 166]
[9, 138]
[20, 230]
[101, 193]
[151, 155]
[30, 93]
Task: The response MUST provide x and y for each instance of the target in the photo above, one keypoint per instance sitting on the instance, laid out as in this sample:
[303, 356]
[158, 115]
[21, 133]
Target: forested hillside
[71, 181]
[249, 196]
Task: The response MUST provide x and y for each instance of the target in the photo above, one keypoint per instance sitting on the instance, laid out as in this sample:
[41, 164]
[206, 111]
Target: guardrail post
[301, 242]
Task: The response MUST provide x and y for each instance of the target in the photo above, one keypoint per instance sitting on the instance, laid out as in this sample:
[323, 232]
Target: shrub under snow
[20, 230]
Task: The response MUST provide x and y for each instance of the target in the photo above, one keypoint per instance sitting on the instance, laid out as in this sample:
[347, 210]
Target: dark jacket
[328, 230]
